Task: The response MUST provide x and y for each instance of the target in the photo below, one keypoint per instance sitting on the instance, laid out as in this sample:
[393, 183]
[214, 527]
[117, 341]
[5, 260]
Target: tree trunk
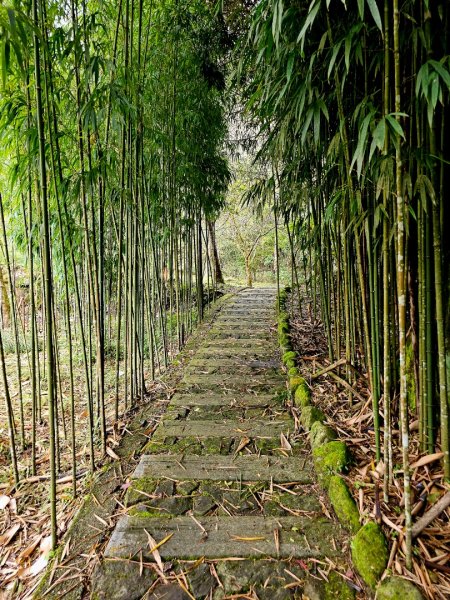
[6, 307]
[218, 275]
[248, 270]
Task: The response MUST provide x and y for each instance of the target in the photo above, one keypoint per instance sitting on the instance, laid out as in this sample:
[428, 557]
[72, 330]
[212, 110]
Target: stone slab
[229, 400]
[226, 380]
[237, 369]
[224, 429]
[247, 468]
[238, 335]
[233, 351]
[237, 362]
[220, 537]
[245, 324]
[250, 313]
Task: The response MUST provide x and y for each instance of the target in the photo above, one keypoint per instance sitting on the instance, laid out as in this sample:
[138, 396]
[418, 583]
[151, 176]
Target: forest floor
[24, 509]
[353, 420]
[223, 503]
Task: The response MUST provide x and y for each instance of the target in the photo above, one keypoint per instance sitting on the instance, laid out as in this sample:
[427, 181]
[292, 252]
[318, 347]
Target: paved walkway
[225, 490]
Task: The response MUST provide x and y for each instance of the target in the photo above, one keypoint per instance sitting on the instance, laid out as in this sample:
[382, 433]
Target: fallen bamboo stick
[338, 363]
[429, 516]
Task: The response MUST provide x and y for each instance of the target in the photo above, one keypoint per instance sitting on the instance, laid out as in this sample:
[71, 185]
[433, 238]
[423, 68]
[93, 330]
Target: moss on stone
[396, 588]
[157, 446]
[343, 504]
[337, 588]
[309, 415]
[370, 553]
[302, 395]
[140, 488]
[149, 513]
[321, 434]
[330, 459]
[285, 341]
[289, 356]
[120, 579]
[294, 382]
[283, 327]
[267, 445]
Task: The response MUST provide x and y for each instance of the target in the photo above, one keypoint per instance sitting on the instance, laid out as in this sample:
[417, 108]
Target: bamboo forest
[225, 299]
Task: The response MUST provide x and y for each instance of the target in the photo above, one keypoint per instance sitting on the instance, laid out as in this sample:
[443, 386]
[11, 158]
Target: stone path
[225, 489]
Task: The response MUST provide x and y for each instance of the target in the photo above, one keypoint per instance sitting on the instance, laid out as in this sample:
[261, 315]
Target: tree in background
[246, 236]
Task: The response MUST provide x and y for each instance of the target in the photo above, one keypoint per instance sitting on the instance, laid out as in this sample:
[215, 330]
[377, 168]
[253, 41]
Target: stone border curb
[331, 457]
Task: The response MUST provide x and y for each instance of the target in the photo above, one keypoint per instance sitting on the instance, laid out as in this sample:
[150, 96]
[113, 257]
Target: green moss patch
[336, 588]
[293, 372]
[330, 459]
[321, 434]
[396, 588]
[283, 327]
[289, 356]
[285, 342]
[294, 382]
[343, 504]
[302, 395]
[370, 553]
[140, 490]
[309, 415]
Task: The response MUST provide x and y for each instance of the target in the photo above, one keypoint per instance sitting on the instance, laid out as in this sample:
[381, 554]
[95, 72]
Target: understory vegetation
[153, 150]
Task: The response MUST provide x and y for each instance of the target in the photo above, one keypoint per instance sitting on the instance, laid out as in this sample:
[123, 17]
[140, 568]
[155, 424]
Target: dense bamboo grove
[352, 105]
[112, 128]
[112, 131]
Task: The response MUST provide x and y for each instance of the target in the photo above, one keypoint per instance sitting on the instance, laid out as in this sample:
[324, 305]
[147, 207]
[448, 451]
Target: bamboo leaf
[290, 66]
[379, 136]
[373, 7]
[395, 126]
[312, 14]
[358, 157]
[336, 49]
[443, 73]
[361, 9]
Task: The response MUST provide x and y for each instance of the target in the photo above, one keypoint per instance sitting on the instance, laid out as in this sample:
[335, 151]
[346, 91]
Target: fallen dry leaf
[111, 453]
[4, 501]
[426, 460]
[6, 538]
[28, 551]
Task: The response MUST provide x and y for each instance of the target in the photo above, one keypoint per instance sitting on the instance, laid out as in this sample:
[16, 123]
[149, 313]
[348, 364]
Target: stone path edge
[368, 538]
[109, 478]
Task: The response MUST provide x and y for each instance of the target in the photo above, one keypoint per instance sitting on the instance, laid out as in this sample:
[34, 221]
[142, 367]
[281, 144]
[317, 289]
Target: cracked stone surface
[225, 486]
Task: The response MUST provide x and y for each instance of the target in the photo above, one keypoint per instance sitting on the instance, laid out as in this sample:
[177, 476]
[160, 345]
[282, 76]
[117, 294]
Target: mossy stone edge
[330, 459]
[370, 553]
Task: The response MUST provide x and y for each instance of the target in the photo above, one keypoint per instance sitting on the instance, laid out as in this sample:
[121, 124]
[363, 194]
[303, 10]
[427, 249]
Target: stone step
[237, 335]
[247, 468]
[223, 351]
[237, 401]
[250, 327]
[248, 306]
[237, 362]
[249, 345]
[231, 381]
[245, 322]
[225, 428]
[235, 369]
[220, 537]
[244, 314]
